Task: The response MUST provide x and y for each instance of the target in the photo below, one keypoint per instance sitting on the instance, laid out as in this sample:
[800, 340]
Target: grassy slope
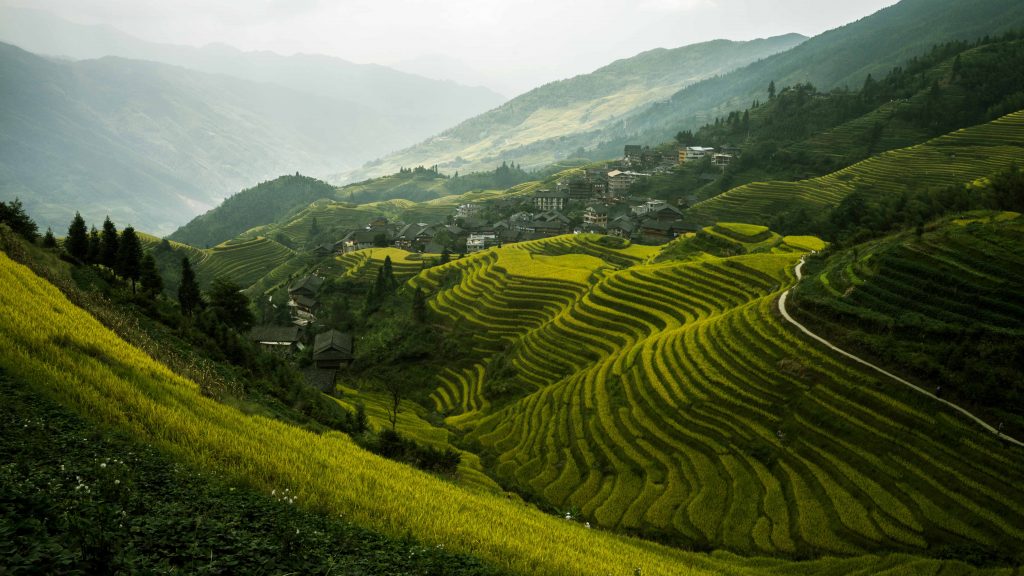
[59, 350]
[943, 309]
[956, 158]
[670, 400]
[529, 126]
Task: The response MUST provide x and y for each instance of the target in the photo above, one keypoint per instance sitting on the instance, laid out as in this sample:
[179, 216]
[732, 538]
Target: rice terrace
[621, 298]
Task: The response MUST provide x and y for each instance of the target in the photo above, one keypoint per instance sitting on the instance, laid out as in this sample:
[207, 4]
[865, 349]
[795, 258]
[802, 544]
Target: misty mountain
[534, 127]
[153, 145]
[834, 59]
[419, 106]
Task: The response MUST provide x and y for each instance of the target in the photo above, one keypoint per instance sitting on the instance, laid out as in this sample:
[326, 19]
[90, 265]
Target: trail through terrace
[791, 320]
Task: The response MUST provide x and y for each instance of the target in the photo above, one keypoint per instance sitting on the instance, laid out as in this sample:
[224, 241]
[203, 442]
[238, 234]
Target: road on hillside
[785, 314]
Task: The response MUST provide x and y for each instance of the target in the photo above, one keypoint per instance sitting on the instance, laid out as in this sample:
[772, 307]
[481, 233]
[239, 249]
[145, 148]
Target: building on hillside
[619, 182]
[694, 153]
[633, 154]
[467, 210]
[323, 250]
[361, 239]
[544, 200]
[596, 216]
[284, 340]
[665, 213]
[656, 231]
[580, 189]
[478, 242]
[623, 227]
[721, 160]
[308, 285]
[649, 206]
[332, 350]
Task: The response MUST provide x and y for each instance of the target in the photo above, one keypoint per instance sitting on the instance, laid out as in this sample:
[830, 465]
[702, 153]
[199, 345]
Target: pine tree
[230, 305]
[129, 256]
[771, 89]
[389, 275]
[108, 244]
[189, 296]
[77, 242]
[149, 277]
[419, 306]
[14, 215]
[95, 247]
[314, 229]
[48, 240]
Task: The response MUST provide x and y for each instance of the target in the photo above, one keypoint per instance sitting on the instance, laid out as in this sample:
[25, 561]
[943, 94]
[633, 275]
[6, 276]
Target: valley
[744, 308]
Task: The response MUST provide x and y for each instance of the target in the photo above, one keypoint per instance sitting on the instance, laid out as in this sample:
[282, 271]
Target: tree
[446, 256]
[314, 229]
[48, 240]
[380, 240]
[230, 305]
[129, 256]
[771, 89]
[395, 387]
[149, 277]
[77, 242]
[14, 215]
[189, 296]
[419, 306]
[95, 247]
[108, 244]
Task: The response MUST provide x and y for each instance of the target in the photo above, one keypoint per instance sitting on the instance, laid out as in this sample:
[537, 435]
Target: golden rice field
[62, 351]
[670, 399]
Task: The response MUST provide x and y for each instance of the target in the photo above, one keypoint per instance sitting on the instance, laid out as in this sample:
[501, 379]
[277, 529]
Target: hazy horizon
[510, 46]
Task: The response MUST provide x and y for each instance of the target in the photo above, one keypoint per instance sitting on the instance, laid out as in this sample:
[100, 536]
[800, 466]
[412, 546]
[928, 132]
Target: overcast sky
[508, 45]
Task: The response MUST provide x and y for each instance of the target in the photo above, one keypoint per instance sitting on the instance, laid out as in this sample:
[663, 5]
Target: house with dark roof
[308, 286]
[332, 350]
[284, 340]
[545, 200]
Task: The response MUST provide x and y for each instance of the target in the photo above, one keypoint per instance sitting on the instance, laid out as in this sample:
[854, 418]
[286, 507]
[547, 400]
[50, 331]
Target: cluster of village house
[608, 208]
[603, 194]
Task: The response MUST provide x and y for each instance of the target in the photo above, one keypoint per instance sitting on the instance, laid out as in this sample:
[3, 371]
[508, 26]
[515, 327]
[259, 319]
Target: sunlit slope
[671, 400]
[955, 158]
[64, 352]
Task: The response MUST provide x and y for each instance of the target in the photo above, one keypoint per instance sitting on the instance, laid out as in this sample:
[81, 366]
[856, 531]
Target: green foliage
[229, 304]
[77, 242]
[149, 277]
[49, 242]
[265, 203]
[129, 256]
[189, 296]
[108, 244]
[14, 216]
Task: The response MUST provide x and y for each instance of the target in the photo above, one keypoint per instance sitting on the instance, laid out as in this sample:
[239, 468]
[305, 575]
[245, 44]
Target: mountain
[418, 106]
[154, 145]
[837, 58]
[533, 127]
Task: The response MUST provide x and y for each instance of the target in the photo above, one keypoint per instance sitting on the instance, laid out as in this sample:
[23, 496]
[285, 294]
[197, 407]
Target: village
[597, 200]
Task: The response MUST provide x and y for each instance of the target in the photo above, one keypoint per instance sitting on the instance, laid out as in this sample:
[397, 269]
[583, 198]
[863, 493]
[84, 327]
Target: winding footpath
[785, 314]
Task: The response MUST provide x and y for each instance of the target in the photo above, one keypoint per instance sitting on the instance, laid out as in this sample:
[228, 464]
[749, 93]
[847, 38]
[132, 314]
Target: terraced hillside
[956, 158]
[243, 261]
[669, 399]
[362, 265]
[58, 350]
[944, 309]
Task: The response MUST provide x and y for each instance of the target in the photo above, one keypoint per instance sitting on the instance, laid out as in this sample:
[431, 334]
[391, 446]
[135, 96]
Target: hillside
[838, 58]
[670, 400]
[835, 59]
[942, 308]
[112, 385]
[953, 159]
[415, 106]
[533, 128]
[153, 145]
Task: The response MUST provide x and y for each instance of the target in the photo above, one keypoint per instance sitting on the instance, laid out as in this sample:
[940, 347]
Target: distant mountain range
[534, 128]
[595, 115]
[157, 139]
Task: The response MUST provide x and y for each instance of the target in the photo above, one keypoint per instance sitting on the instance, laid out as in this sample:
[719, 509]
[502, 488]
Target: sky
[507, 45]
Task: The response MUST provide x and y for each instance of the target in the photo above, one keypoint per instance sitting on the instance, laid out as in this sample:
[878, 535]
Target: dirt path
[833, 347]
